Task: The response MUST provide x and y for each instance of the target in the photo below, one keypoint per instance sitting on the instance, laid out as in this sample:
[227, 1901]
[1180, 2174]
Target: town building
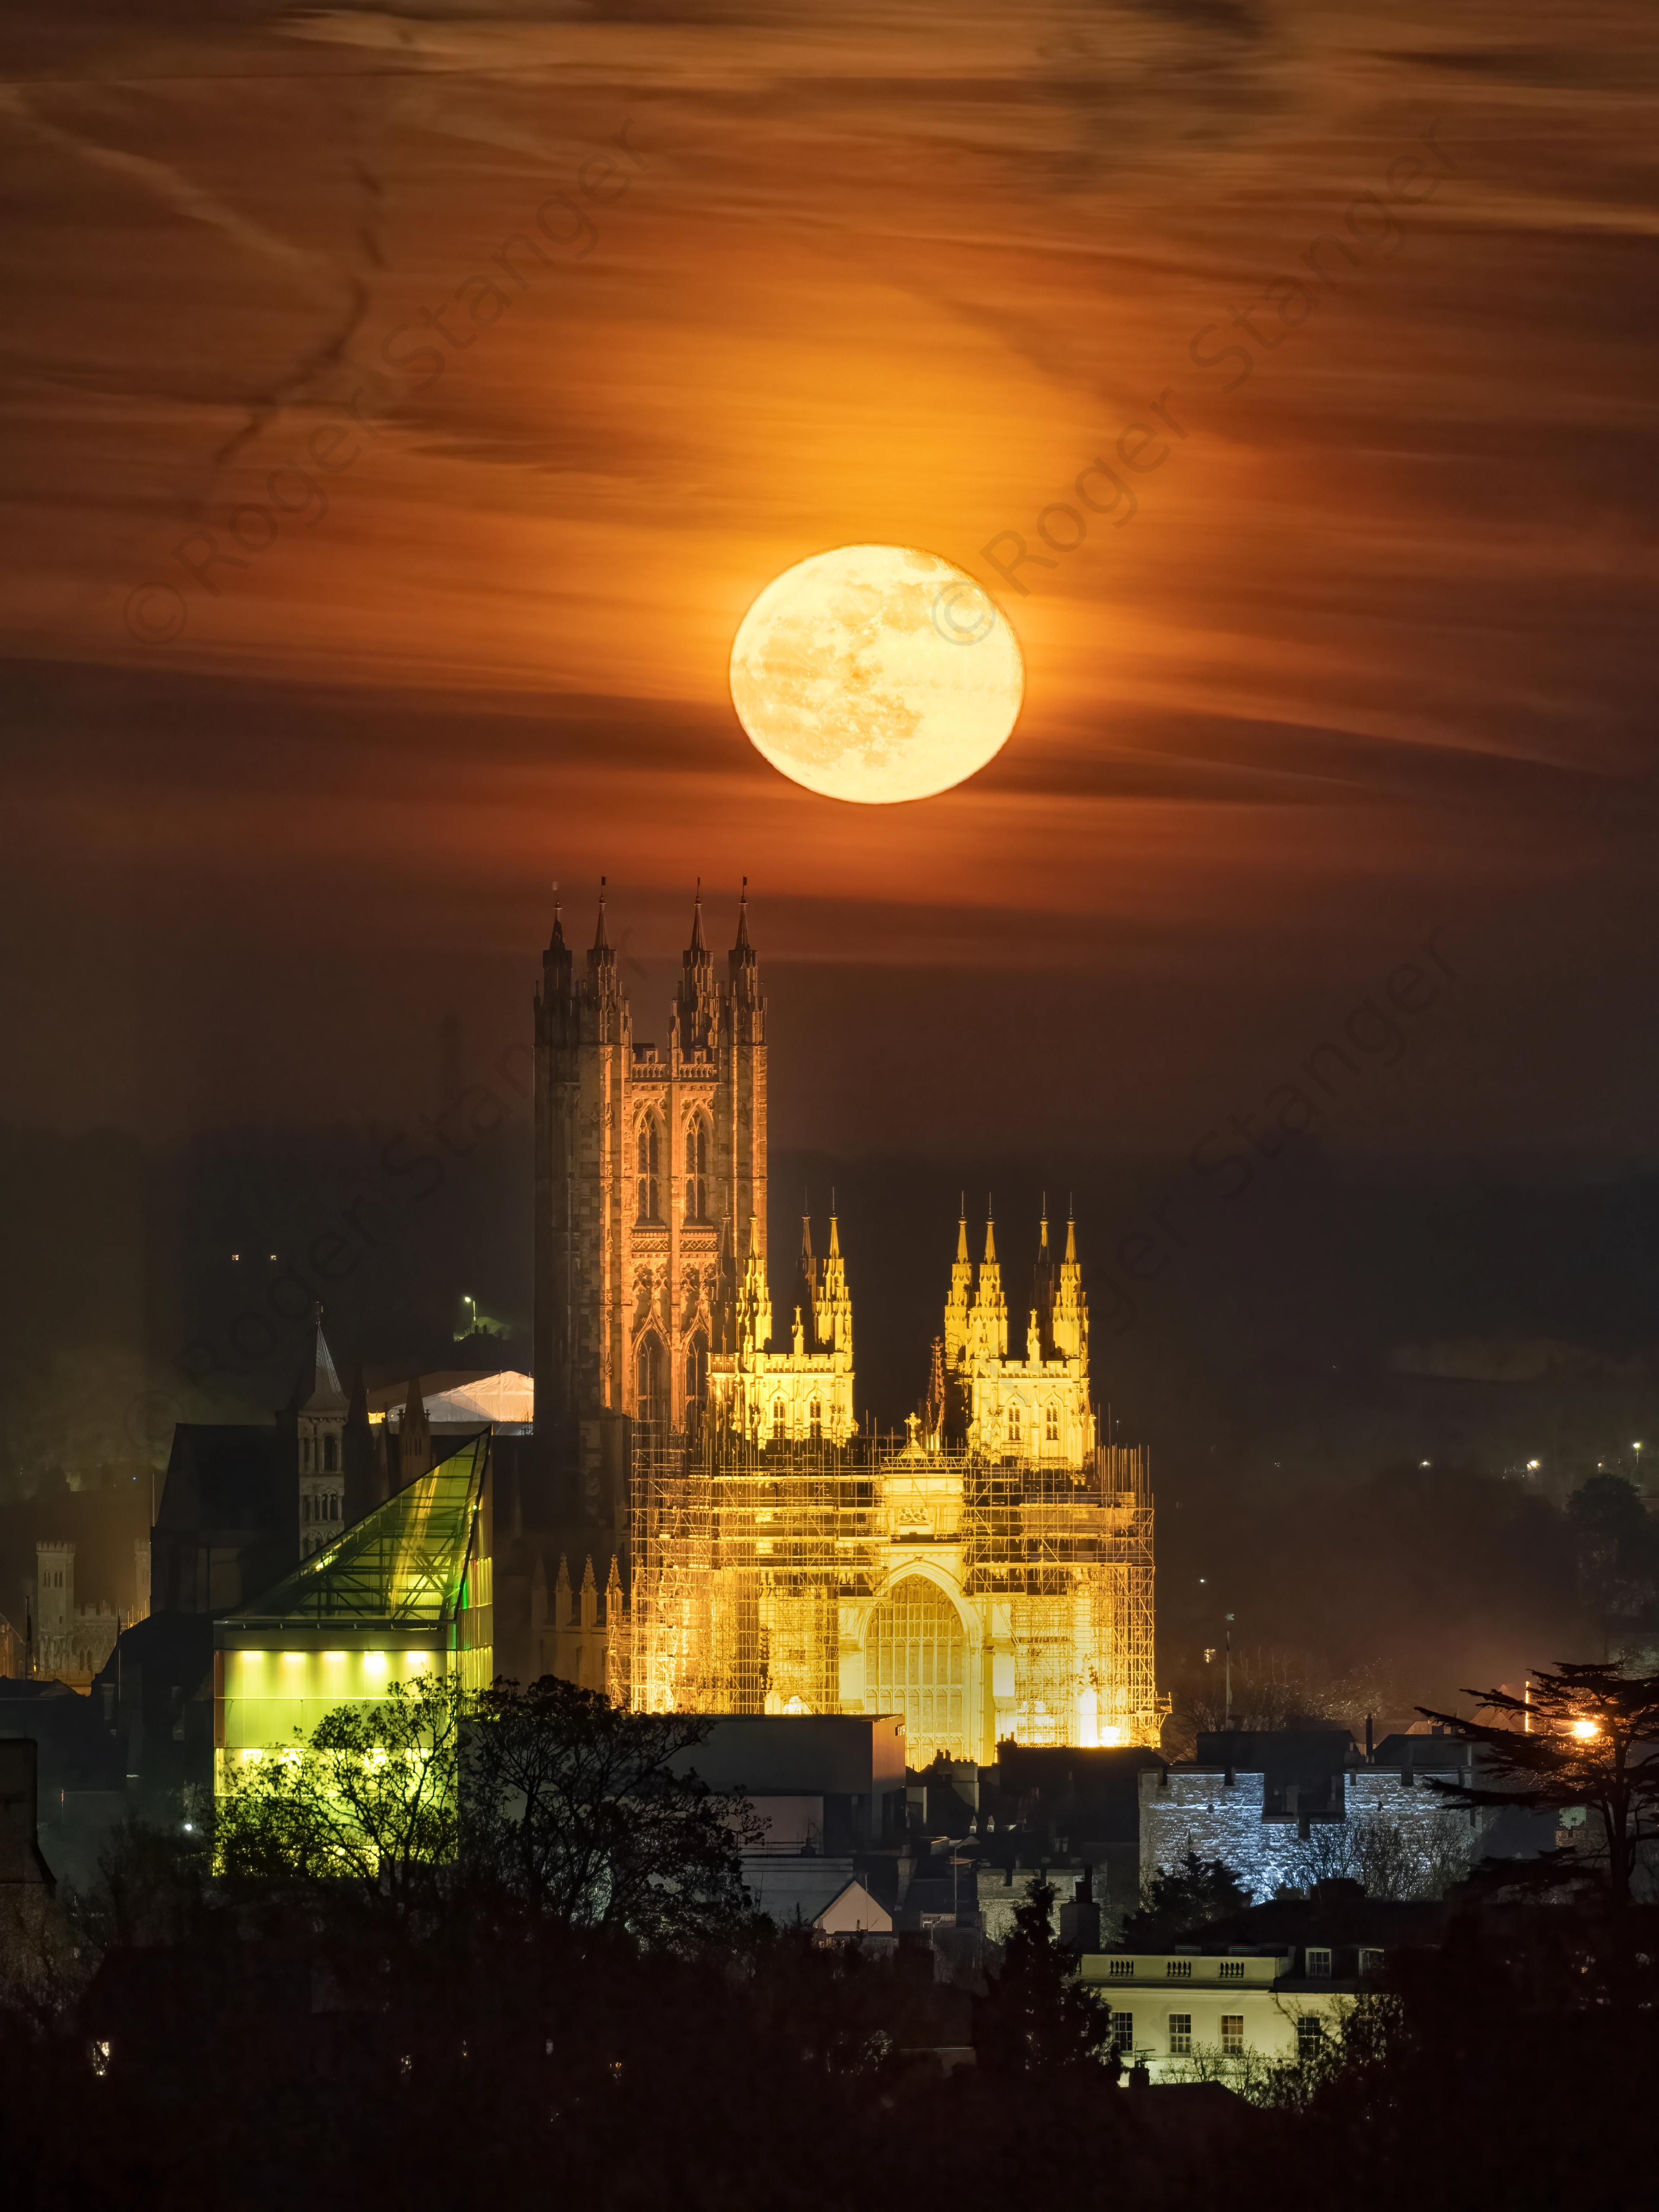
[404, 1591]
[71, 1642]
[1281, 1806]
[1261, 1989]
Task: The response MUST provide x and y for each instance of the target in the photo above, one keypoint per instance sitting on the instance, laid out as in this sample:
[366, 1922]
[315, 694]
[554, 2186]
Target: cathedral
[990, 1576]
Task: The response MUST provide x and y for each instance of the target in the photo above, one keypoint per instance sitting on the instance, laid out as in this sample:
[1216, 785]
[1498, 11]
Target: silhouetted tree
[1585, 1738]
[1179, 1901]
[1038, 2015]
[370, 1799]
[590, 1812]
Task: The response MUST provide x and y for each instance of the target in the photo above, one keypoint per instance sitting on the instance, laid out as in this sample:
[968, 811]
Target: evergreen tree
[1584, 1735]
[1179, 1901]
[1038, 2015]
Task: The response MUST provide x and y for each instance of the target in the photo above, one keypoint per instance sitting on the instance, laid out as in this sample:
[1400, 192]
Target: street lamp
[467, 1300]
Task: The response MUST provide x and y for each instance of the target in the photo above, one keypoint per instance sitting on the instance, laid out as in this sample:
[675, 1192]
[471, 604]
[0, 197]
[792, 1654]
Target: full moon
[877, 673]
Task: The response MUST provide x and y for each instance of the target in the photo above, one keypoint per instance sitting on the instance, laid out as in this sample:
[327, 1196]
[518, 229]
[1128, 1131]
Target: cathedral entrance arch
[915, 1662]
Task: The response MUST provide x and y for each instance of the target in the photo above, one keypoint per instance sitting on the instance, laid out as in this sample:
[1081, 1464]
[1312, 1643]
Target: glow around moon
[877, 673]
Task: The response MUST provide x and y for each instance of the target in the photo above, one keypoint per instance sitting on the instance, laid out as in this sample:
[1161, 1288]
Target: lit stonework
[991, 1578]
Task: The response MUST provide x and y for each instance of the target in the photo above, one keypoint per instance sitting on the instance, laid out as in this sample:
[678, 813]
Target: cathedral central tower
[650, 1196]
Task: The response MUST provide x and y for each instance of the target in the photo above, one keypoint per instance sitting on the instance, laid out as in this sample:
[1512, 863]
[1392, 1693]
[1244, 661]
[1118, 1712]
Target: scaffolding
[983, 1598]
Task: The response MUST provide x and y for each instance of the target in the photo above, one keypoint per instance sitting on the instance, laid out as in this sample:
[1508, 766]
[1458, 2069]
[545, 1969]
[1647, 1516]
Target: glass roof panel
[403, 1564]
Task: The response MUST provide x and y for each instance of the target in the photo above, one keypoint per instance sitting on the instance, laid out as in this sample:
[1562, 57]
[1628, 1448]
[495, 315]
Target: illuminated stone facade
[650, 1197]
[990, 1578]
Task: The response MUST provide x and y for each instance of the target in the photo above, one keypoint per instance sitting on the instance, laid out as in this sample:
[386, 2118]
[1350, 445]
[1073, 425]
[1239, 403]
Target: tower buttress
[1069, 1314]
[696, 1011]
[740, 1122]
[834, 1309]
[988, 1320]
[956, 1306]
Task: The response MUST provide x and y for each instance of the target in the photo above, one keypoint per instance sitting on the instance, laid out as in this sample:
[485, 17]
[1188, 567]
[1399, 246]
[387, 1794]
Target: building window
[1051, 1424]
[815, 1420]
[331, 1454]
[1310, 2038]
[648, 1376]
[1232, 2035]
[697, 1371]
[915, 1656]
[649, 1169]
[1014, 1424]
[779, 1419]
[1370, 1962]
[696, 1169]
[1181, 2034]
[1179, 1970]
[1232, 1970]
[1121, 1970]
[1123, 2031]
[1318, 1965]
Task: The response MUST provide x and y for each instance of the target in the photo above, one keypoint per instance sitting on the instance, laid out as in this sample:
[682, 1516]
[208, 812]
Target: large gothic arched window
[650, 1375]
[650, 1157]
[916, 1662]
[696, 1168]
[697, 1374]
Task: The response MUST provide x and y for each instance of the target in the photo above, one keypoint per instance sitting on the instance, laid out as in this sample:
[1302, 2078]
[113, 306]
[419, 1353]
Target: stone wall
[1200, 1809]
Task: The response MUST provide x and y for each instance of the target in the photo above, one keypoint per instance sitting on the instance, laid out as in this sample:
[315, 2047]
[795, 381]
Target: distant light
[190, 1827]
[235, 1255]
[1581, 1728]
[1422, 1462]
[1534, 1463]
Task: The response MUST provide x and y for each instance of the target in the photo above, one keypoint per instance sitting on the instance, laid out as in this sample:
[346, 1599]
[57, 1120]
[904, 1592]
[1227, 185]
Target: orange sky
[1372, 654]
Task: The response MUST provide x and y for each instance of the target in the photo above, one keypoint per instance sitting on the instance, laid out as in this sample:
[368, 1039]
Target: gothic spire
[556, 943]
[697, 944]
[744, 944]
[601, 942]
[990, 1236]
[318, 1389]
